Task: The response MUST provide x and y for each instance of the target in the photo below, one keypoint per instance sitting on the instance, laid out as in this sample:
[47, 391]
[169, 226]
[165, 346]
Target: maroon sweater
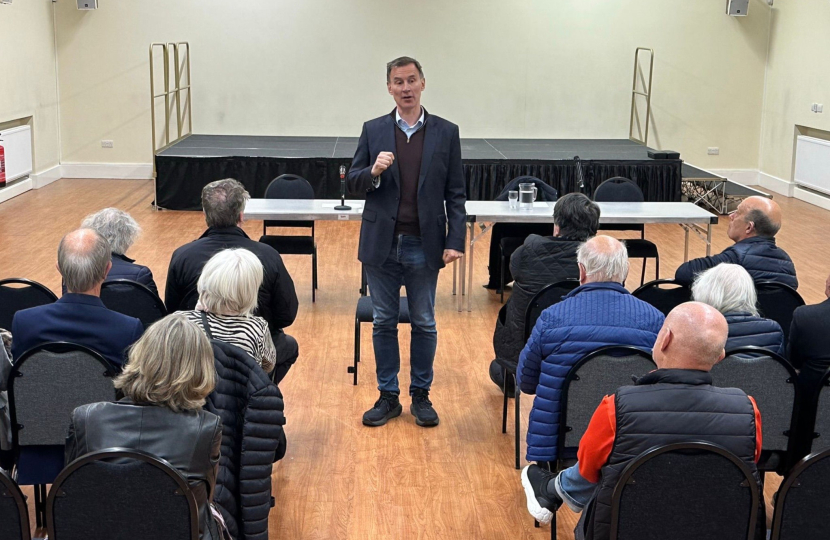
[408, 155]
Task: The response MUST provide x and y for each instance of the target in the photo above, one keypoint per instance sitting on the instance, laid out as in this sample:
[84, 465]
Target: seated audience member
[78, 316]
[6, 455]
[540, 262]
[676, 403]
[598, 313]
[730, 289]
[752, 227]
[121, 231]
[227, 298]
[223, 202]
[808, 350]
[169, 374]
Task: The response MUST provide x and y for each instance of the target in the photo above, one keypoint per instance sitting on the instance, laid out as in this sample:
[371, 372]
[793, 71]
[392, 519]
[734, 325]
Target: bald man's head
[693, 337]
[83, 260]
[602, 259]
[755, 216]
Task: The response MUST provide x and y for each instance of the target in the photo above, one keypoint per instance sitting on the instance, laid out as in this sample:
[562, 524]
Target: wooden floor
[340, 479]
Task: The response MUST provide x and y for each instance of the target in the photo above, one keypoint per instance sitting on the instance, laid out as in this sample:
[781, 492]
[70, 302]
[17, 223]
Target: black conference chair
[363, 314]
[46, 384]
[803, 500]
[550, 295]
[777, 301]
[821, 426]
[133, 299]
[664, 294]
[26, 294]
[14, 514]
[771, 381]
[291, 186]
[652, 496]
[506, 248]
[121, 494]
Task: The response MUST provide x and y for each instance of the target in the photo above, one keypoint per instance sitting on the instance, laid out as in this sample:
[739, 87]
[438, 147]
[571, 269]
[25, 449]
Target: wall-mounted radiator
[17, 143]
[812, 163]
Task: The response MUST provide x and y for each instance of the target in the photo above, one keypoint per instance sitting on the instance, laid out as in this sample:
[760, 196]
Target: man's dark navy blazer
[440, 184]
[77, 318]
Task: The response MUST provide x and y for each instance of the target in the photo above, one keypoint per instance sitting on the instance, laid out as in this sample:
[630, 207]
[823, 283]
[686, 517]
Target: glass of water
[513, 198]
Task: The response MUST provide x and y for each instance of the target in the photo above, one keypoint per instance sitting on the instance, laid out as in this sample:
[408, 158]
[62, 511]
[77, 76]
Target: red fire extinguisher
[2, 165]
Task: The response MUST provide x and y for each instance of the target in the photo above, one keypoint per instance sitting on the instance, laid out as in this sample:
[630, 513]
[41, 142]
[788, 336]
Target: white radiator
[812, 163]
[17, 144]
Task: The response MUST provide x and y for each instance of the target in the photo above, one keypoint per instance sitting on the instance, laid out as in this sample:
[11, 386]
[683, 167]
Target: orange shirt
[598, 440]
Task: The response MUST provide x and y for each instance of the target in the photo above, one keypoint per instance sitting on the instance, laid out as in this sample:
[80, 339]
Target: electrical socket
[713, 151]
[106, 144]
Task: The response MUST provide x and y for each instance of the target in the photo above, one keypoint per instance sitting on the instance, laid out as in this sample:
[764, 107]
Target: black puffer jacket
[747, 330]
[542, 260]
[251, 409]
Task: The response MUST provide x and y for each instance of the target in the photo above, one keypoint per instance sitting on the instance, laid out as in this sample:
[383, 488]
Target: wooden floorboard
[339, 479]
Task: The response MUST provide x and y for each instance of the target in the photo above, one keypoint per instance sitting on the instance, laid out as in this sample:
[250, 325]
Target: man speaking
[408, 163]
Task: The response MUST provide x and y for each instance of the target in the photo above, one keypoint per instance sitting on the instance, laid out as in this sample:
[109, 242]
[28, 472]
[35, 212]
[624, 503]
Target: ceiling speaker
[737, 8]
[87, 4]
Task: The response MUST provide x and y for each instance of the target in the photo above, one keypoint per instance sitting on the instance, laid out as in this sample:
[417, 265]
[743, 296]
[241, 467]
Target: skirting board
[116, 171]
[745, 177]
[46, 177]
[778, 185]
[15, 189]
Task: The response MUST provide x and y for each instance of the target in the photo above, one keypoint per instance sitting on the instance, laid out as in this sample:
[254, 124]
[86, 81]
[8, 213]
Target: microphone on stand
[342, 190]
[580, 177]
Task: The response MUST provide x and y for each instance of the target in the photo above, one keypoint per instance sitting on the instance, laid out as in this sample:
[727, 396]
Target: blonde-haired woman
[228, 289]
[169, 374]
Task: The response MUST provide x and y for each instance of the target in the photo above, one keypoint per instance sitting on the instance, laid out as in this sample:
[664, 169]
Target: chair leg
[40, 501]
[504, 406]
[657, 267]
[517, 407]
[314, 268]
[643, 275]
[356, 349]
[553, 527]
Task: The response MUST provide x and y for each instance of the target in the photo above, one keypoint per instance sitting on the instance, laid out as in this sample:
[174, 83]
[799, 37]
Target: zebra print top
[250, 334]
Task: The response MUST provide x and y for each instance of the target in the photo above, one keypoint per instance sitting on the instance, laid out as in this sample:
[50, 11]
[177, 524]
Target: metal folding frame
[647, 94]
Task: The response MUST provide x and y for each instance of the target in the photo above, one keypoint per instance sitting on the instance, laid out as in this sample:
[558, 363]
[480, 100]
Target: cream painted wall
[798, 75]
[509, 68]
[27, 75]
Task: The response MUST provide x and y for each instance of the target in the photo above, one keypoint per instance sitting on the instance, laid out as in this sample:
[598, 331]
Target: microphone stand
[580, 177]
[342, 190]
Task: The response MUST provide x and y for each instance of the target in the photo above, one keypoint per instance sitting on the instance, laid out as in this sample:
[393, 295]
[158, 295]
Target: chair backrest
[821, 429]
[26, 294]
[133, 299]
[594, 376]
[542, 300]
[289, 186]
[618, 189]
[50, 381]
[14, 515]
[120, 493]
[685, 491]
[777, 301]
[771, 381]
[802, 500]
[664, 294]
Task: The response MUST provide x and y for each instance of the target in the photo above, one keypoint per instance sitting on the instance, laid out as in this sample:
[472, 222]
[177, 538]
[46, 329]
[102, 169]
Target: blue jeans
[574, 489]
[406, 265]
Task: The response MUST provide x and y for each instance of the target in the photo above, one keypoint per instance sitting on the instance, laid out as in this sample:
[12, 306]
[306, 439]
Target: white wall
[798, 75]
[509, 68]
[27, 75]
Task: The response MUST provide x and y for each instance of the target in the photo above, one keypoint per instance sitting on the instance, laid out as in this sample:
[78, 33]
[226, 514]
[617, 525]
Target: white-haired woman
[169, 374]
[730, 289]
[228, 289]
[121, 231]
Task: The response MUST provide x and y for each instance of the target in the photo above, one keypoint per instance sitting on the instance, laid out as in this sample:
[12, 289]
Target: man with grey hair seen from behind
[79, 316]
[598, 313]
[223, 202]
[121, 231]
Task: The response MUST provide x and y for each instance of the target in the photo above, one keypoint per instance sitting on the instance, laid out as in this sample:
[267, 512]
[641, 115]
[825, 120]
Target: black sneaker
[542, 499]
[386, 408]
[421, 408]
[498, 374]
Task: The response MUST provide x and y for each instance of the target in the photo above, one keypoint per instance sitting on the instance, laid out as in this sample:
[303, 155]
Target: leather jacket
[189, 441]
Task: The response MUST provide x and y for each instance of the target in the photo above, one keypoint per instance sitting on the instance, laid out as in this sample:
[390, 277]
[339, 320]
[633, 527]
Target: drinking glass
[513, 198]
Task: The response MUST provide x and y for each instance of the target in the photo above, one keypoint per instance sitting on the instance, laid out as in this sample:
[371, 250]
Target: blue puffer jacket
[592, 316]
[758, 255]
[747, 330]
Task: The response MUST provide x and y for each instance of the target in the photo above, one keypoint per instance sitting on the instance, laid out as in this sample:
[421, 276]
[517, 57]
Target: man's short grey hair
[83, 257]
[604, 265]
[229, 284]
[223, 201]
[117, 226]
[764, 226]
[728, 288]
[401, 62]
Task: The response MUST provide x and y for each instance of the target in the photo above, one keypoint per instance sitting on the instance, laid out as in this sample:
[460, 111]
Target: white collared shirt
[408, 130]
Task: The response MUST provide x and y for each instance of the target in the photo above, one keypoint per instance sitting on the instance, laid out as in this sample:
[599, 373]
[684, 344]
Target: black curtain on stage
[180, 180]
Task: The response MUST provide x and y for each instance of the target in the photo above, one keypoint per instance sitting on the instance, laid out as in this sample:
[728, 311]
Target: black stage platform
[489, 164]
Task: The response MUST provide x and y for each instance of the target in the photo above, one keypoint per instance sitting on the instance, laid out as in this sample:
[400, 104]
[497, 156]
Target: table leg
[471, 255]
[709, 240]
[454, 275]
[462, 274]
[686, 246]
